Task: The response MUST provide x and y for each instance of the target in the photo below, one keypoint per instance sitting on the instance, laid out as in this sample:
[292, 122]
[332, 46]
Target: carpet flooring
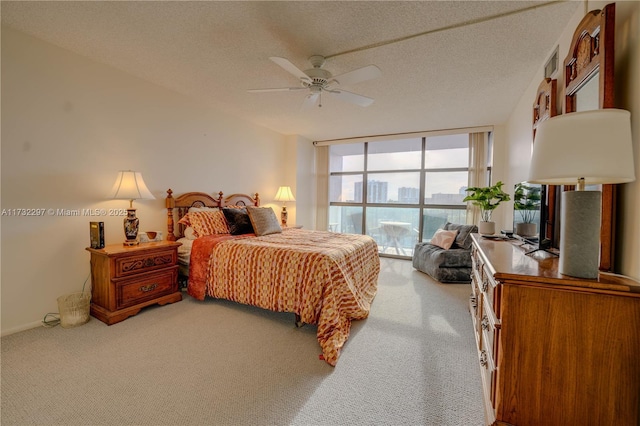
[412, 362]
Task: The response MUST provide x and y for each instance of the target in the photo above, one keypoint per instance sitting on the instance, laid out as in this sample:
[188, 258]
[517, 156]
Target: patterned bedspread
[326, 278]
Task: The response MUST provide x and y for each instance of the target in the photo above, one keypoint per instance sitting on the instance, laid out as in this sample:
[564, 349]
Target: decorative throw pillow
[263, 220]
[184, 220]
[444, 239]
[208, 222]
[463, 240]
[238, 221]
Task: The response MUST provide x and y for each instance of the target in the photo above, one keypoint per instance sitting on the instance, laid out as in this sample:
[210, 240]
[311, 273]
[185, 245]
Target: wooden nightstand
[126, 279]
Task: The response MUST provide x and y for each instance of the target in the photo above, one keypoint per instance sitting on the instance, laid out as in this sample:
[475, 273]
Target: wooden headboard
[179, 206]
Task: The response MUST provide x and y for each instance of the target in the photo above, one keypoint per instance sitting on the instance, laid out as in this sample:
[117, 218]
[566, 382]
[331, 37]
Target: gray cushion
[452, 258]
[264, 220]
[446, 266]
[463, 239]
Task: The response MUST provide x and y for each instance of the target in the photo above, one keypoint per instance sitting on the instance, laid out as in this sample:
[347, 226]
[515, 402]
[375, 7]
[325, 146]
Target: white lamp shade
[594, 145]
[284, 194]
[130, 186]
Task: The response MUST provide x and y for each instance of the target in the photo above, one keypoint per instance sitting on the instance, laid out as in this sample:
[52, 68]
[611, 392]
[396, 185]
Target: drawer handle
[483, 358]
[148, 288]
[485, 323]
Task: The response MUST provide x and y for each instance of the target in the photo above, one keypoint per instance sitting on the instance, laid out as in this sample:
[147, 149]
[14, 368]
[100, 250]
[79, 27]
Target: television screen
[528, 212]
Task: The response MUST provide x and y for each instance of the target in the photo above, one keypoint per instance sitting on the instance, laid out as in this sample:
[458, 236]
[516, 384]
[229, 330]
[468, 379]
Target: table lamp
[582, 148]
[284, 194]
[130, 186]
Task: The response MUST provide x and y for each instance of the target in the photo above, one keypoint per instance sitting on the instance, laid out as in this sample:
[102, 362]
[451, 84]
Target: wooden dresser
[126, 279]
[553, 350]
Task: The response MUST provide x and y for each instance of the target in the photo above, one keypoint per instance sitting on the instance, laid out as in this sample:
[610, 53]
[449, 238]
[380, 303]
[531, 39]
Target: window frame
[421, 206]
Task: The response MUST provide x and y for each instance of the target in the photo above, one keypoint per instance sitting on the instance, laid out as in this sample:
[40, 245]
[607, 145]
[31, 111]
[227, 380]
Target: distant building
[408, 195]
[445, 199]
[376, 191]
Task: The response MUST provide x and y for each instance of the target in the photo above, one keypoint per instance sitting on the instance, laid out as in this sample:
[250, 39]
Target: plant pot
[526, 229]
[486, 228]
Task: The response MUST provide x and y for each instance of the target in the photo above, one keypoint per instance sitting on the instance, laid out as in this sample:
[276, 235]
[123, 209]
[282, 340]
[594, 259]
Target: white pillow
[203, 209]
[444, 239]
[190, 233]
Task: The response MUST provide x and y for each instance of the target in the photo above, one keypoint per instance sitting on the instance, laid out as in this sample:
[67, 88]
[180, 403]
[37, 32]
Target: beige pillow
[444, 239]
[263, 220]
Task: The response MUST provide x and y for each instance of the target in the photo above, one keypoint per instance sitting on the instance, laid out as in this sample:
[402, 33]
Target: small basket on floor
[74, 309]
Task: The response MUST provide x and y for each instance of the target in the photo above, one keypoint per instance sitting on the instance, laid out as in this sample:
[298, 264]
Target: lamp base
[580, 234]
[131, 224]
[284, 215]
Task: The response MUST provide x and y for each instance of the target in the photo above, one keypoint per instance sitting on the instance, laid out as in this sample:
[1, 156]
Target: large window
[398, 191]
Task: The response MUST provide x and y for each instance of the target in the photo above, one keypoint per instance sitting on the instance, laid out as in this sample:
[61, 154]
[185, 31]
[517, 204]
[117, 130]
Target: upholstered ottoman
[447, 265]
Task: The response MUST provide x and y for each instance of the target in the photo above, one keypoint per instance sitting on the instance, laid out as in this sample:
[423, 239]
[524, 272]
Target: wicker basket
[74, 309]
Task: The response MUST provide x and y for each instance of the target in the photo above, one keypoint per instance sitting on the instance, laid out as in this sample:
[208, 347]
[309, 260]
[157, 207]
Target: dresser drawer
[144, 262]
[488, 376]
[145, 287]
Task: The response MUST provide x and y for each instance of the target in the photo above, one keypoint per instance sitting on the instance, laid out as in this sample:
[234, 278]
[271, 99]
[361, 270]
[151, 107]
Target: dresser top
[113, 249]
[506, 260]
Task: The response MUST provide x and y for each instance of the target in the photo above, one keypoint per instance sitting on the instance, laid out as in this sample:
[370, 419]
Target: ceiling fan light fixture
[317, 80]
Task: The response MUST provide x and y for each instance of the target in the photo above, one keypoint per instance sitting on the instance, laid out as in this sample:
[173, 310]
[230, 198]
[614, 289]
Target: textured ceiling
[468, 64]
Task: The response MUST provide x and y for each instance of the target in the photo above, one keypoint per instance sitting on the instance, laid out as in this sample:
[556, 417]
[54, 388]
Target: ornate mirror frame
[591, 56]
[545, 107]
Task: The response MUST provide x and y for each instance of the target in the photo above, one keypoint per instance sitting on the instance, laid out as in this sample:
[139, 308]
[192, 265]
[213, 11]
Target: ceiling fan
[318, 80]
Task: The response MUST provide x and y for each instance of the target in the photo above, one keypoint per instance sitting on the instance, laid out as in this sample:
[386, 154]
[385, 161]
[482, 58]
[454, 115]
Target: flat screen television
[528, 213]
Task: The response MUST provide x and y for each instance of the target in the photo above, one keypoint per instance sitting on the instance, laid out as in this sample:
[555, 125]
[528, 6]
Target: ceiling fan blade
[310, 100]
[354, 98]
[356, 76]
[288, 66]
[277, 89]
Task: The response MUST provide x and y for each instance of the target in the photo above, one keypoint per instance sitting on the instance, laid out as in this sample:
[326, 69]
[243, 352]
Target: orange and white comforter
[326, 278]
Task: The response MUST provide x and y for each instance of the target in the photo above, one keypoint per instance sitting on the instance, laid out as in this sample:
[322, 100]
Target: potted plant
[526, 200]
[487, 199]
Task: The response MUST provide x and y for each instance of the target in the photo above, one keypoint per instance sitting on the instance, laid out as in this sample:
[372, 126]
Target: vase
[131, 223]
[525, 229]
[486, 228]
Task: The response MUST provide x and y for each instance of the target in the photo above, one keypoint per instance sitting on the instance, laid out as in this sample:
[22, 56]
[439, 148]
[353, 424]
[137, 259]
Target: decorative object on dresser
[96, 234]
[130, 186]
[553, 350]
[599, 145]
[126, 279]
[284, 194]
[487, 199]
[527, 203]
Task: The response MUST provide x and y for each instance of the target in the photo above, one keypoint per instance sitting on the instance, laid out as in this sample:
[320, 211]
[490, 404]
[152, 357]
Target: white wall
[68, 125]
[627, 82]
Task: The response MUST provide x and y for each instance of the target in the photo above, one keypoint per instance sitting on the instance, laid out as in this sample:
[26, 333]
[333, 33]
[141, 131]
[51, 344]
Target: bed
[324, 278]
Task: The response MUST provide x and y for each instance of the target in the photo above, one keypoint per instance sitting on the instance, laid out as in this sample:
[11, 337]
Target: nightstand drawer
[144, 262]
[146, 287]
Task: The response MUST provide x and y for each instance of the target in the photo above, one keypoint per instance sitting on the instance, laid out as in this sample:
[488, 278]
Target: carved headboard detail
[178, 207]
[545, 105]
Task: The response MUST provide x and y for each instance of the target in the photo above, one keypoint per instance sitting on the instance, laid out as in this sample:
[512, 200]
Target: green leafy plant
[487, 199]
[526, 200]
